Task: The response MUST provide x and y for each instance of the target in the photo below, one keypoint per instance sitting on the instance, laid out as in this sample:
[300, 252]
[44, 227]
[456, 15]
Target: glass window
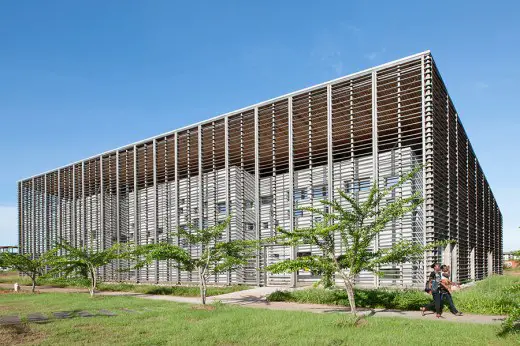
[248, 204]
[265, 225]
[264, 200]
[391, 181]
[221, 207]
[298, 213]
[300, 194]
[319, 191]
[357, 185]
[182, 201]
[326, 209]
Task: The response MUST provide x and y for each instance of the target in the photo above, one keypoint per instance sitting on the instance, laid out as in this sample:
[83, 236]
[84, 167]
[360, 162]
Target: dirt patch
[203, 307]
[192, 320]
[515, 272]
[360, 322]
[20, 292]
[20, 334]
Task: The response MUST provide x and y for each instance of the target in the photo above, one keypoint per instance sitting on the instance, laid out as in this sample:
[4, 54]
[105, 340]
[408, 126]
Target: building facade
[259, 164]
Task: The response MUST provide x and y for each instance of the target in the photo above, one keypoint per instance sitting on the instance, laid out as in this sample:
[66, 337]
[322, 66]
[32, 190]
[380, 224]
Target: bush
[368, 298]
[494, 295]
[511, 325]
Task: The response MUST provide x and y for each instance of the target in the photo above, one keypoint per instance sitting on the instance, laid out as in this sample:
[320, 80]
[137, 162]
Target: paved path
[255, 298]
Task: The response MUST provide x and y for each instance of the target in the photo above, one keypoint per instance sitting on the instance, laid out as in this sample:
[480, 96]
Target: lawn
[167, 323]
[489, 296]
[185, 291]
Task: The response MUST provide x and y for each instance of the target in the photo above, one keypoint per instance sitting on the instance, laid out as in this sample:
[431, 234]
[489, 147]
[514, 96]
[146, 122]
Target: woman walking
[446, 290]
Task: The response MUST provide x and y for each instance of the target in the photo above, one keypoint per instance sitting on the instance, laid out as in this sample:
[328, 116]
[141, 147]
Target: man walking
[434, 284]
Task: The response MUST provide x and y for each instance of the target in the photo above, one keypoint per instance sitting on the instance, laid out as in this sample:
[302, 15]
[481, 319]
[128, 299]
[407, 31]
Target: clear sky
[79, 78]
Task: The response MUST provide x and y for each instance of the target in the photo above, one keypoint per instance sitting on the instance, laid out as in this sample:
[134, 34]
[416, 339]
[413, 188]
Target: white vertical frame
[45, 236]
[226, 182]
[330, 157]
[294, 277]
[60, 235]
[118, 216]
[136, 209]
[102, 212]
[156, 200]
[33, 218]
[73, 216]
[21, 235]
[83, 206]
[375, 153]
[201, 190]
[257, 196]
[423, 121]
[176, 194]
[200, 202]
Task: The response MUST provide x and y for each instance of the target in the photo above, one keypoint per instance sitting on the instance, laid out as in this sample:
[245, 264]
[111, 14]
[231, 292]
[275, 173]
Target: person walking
[434, 286]
[446, 290]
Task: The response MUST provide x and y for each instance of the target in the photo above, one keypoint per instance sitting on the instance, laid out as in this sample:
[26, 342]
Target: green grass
[170, 323]
[185, 291]
[489, 296]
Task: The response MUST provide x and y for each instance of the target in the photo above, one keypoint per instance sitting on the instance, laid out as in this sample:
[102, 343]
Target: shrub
[495, 295]
[368, 298]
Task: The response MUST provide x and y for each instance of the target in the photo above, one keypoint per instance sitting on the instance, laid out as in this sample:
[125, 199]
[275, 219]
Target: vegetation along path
[256, 298]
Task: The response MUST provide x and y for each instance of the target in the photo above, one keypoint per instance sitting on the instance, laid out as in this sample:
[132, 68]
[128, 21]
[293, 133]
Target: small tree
[34, 268]
[357, 227]
[216, 256]
[85, 261]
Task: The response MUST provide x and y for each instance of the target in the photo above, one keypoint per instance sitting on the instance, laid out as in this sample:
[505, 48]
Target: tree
[34, 268]
[357, 226]
[216, 256]
[85, 261]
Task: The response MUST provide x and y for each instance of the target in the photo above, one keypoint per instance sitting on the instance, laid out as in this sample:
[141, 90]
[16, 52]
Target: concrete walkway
[256, 298]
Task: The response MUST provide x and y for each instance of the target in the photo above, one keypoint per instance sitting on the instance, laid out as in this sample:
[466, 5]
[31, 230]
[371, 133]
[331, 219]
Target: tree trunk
[202, 285]
[33, 284]
[350, 293]
[93, 282]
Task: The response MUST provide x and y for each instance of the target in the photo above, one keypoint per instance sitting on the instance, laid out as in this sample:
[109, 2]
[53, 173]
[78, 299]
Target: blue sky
[80, 78]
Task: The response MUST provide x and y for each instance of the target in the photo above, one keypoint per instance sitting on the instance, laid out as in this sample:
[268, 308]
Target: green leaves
[25, 264]
[216, 256]
[357, 223]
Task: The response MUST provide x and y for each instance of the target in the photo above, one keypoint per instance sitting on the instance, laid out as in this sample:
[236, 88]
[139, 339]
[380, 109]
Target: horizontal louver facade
[260, 164]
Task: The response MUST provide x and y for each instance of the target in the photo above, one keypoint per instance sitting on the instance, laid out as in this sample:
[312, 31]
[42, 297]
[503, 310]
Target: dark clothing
[437, 291]
[436, 303]
[439, 299]
[435, 279]
[447, 297]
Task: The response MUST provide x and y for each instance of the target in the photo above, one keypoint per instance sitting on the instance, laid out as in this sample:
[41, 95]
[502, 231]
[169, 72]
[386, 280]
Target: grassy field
[167, 323]
[512, 272]
[185, 291]
[489, 296]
